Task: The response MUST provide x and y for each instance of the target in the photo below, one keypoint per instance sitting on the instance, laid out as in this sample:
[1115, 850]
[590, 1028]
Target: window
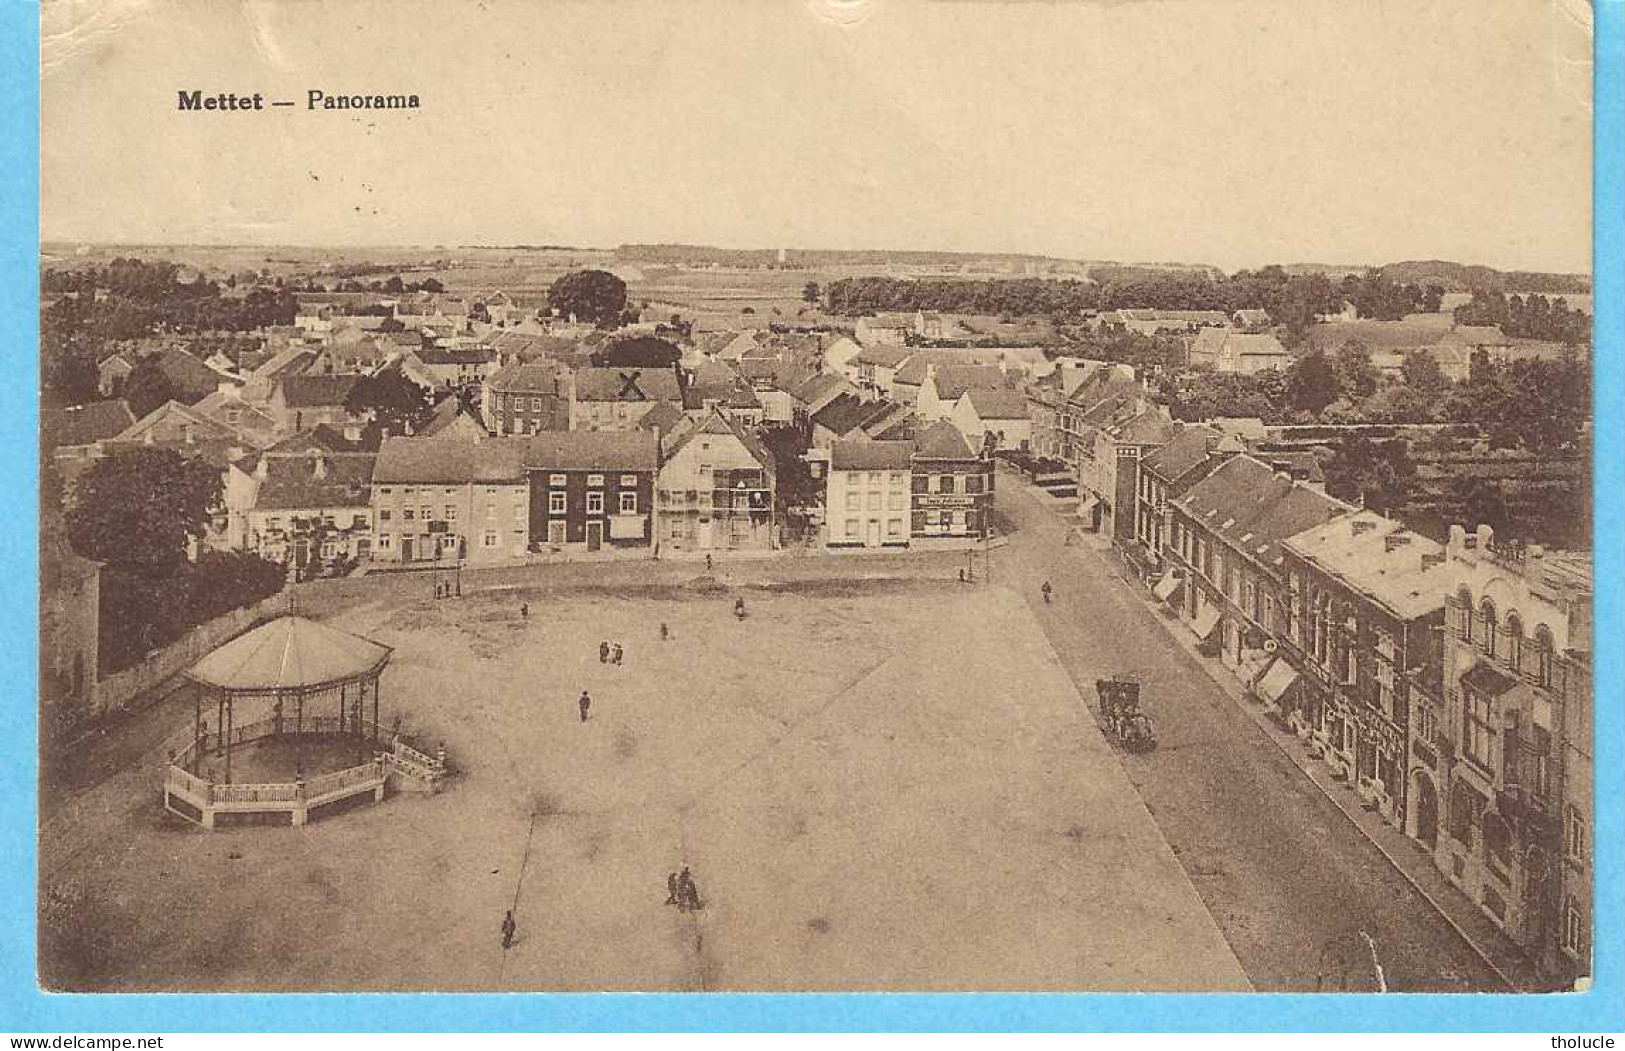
[854, 501]
[894, 527]
[595, 479]
[536, 404]
[896, 502]
[384, 515]
[921, 483]
[386, 491]
[451, 512]
[874, 501]
[874, 477]
[407, 514]
[1486, 627]
[557, 479]
[595, 503]
[1574, 834]
[518, 512]
[358, 522]
[851, 527]
[946, 485]
[490, 511]
[490, 538]
[1477, 734]
[947, 520]
[973, 483]
[1514, 634]
[1465, 807]
[1426, 722]
[555, 503]
[1574, 926]
[899, 478]
[629, 480]
[385, 542]
[1543, 655]
[676, 528]
[1497, 844]
[426, 512]
[629, 503]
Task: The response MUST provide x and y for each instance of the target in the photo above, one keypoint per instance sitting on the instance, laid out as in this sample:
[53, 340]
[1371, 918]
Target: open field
[879, 784]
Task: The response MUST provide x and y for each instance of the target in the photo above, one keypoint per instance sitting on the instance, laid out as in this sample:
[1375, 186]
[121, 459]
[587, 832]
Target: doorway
[1425, 810]
[595, 535]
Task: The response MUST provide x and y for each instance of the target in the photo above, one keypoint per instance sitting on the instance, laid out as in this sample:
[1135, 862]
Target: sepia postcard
[816, 496]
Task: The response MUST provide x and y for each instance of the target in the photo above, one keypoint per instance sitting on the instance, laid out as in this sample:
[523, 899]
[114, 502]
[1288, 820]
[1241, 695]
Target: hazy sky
[1234, 132]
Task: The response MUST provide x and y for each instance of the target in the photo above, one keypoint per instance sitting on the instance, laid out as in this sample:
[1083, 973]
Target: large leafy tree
[397, 405]
[643, 352]
[1356, 376]
[1422, 372]
[1311, 382]
[147, 387]
[596, 296]
[139, 509]
[1378, 475]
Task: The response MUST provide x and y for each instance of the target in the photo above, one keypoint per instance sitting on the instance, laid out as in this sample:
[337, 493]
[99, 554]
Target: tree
[1377, 475]
[595, 296]
[811, 292]
[1356, 376]
[147, 388]
[1311, 382]
[641, 352]
[1422, 373]
[140, 508]
[397, 405]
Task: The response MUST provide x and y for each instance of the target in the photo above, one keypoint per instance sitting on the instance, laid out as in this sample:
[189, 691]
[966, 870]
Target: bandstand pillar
[376, 682]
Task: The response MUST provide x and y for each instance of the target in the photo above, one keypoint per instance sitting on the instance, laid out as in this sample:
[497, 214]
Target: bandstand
[299, 693]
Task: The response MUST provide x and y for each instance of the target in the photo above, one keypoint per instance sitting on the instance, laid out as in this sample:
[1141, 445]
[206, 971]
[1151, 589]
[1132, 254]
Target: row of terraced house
[1447, 684]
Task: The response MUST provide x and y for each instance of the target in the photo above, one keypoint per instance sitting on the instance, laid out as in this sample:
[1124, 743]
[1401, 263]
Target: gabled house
[715, 488]
[1244, 353]
[616, 398]
[838, 356]
[302, 503]
[112, 372]
[891, 329]
[524, 398]
[716, 386]
[875, 367]
[1190, 454]
[997, 411]
[453, 419]
[299, 403]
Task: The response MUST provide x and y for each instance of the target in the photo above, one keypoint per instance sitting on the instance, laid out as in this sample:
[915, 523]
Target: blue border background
[24, 1008]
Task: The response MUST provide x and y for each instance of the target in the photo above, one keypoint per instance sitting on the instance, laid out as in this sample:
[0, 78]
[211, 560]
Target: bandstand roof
[289, 653]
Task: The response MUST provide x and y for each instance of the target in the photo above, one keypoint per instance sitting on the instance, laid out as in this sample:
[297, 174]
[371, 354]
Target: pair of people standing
[609, 653]
[682, 892]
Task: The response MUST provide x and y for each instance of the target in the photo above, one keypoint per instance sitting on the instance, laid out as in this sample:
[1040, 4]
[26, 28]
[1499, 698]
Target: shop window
[946, 485]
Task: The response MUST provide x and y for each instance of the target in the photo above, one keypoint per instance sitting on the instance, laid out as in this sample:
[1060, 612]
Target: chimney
[1458, 540]
[1486, 537]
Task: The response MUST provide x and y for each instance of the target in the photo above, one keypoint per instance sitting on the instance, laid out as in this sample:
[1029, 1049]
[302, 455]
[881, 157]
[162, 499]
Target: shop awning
[1206, 621]
[1166, 587]
[1279, 679]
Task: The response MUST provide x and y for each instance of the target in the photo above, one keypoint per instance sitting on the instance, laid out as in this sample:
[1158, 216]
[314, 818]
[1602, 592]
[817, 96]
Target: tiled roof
[884, 355]
[865, 454]
[321, 437]
[1150, 427]
[460, 356]
[91, 422]
[627, 384]
[662, 417]
[942, 441]
[1186, 450]
[954, 381]
[530, 378]
[450, 461]
[717, 425]
[998, 404]
[844, 414]
[300, 392]
[291, 482]
[591, 450]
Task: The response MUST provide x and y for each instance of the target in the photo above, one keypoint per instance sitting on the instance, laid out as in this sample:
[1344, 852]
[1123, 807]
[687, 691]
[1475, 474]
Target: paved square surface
[878, 784]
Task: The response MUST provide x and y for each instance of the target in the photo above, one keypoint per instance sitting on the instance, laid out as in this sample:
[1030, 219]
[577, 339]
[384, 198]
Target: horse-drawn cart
[1120, 706]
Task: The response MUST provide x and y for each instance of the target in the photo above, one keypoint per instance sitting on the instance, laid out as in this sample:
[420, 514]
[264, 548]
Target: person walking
[508, 929]
[603, 653]
[1046, 590]
[671, 888]
[665, 632]
[687, 896]
[585, 704]
[708, 563]
[615, 654]
[524, 610]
